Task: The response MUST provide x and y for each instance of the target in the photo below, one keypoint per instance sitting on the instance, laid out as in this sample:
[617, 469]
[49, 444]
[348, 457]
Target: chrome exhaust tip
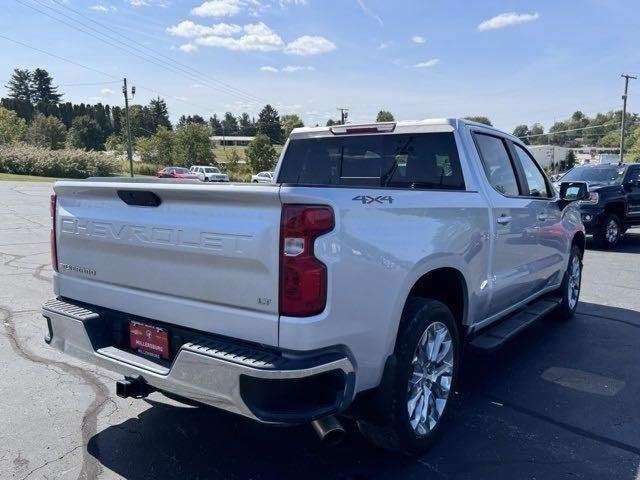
[329, 429]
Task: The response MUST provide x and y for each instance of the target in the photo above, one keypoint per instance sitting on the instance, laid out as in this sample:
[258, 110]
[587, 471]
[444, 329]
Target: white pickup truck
[348, 286]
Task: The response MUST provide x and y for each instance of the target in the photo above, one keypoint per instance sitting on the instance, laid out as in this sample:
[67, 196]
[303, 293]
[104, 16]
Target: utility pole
[125, 92]
[624, 113]
[344, 114]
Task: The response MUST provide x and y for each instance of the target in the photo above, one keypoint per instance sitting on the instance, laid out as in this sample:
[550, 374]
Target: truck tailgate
[206, 257]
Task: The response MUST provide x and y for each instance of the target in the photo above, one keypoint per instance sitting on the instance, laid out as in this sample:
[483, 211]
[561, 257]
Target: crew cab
[352, 284]
[613, 205]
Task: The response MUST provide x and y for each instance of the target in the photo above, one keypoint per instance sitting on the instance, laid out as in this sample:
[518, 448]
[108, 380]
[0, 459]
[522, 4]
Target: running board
[498, 334]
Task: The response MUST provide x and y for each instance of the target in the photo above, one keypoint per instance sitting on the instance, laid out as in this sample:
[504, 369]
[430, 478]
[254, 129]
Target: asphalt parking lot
[561, 401]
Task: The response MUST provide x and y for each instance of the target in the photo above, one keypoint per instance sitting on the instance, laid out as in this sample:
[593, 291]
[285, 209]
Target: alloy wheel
[612, 232]
[431, 376]
[575, 278]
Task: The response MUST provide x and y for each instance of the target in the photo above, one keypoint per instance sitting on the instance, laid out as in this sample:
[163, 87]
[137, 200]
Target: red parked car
[176, 172]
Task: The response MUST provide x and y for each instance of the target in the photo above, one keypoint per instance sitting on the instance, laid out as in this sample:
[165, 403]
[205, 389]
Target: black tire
[254, 181]
[390, 426]
[567, 308]
[609, 233]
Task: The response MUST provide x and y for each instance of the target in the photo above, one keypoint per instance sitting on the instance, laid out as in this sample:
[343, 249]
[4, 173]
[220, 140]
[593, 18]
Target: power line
[77, 64]
[570, 130]
[197, 72]
[125, 47]
[94, 84]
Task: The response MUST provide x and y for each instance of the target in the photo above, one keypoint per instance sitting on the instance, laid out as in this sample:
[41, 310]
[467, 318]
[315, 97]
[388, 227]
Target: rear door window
[534, 177]
[497, 164]
[413, 161]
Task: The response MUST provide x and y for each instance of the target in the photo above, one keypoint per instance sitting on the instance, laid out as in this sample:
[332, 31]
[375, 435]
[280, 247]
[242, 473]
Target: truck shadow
[484, 440]
[629, 243]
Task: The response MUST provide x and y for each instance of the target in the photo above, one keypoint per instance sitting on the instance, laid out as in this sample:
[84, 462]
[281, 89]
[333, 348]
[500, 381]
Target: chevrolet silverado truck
[348, 287]
[613, 205]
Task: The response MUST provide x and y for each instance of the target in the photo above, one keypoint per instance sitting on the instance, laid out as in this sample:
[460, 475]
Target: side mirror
[574, 191]
[634, 182]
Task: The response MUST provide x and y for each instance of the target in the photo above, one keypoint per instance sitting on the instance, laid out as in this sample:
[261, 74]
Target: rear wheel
[423, 378]
[609, 233]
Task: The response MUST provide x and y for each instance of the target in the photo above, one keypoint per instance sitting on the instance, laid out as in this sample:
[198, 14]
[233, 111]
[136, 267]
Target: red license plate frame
[149, 340]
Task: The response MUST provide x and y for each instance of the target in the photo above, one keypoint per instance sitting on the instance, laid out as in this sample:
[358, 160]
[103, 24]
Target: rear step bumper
[268, 385]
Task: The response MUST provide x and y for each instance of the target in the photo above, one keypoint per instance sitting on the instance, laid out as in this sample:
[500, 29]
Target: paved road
[561, 401]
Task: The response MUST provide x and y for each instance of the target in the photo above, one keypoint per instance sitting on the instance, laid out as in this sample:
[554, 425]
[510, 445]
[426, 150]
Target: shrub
[25, 159]
[260, 154]
[46, 132]
[12, 128]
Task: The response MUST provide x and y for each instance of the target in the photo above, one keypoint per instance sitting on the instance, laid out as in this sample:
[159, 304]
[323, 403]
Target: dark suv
[614, 200]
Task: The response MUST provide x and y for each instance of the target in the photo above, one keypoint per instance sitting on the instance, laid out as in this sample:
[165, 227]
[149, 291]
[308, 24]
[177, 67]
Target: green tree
[19, 85]
[230, 124]
[384, 116]
[480, 119]
[215, 127]
[536, 136]
[331, 122]
[159, 113]
[521, 131]
[85, 133]
[260, 154]
[269, 124]
[289, 122]
[43, 93]
[633, 152]
[12, 127]
[142, 122]
[192, 146]
[247, 125]
[610, 139]
[187, 119]
[48, 132]
[570, 161]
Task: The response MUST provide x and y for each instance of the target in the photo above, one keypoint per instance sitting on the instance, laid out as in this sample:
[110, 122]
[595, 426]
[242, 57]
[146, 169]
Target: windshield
[211, 170]
[611, 174]
[426, 161]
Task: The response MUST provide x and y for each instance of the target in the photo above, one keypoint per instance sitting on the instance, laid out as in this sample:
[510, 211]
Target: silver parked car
[262, 177]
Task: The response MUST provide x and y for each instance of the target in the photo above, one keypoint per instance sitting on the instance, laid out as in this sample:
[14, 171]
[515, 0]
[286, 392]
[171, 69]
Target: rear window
[422, 161]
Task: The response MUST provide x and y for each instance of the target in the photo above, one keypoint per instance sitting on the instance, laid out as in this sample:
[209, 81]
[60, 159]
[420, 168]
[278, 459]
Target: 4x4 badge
[367, 199]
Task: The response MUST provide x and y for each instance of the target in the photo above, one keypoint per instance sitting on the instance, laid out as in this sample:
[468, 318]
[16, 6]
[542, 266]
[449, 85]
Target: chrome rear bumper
[263, 384]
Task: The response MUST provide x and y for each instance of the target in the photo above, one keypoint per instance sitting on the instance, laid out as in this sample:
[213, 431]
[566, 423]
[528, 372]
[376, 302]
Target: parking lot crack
[90, 466]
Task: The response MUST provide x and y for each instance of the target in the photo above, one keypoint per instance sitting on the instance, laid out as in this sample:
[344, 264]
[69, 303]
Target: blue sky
[517, 62]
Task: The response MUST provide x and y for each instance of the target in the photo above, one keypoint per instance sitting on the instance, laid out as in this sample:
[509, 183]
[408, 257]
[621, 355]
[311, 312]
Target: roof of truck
[410, 126]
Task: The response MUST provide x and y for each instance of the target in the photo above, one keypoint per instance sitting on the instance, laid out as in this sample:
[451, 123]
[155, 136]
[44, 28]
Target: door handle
[542, 217]
[503, 219]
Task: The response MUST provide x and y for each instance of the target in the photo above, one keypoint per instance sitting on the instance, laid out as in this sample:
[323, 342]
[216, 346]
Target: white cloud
[428, 63]
[309, 45]
[268, 68]
[218, 8]
[106, 91]
[384, 45]
[507, 20]
[188, 48]
[256, 37]
[297, 68]
[189, 29]
[148, 3]
[419, 39]
[284, 3]
[103, 8]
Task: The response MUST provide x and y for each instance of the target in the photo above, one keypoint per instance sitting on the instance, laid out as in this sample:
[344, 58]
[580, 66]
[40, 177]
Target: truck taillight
[52, 234]
[303, 278]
